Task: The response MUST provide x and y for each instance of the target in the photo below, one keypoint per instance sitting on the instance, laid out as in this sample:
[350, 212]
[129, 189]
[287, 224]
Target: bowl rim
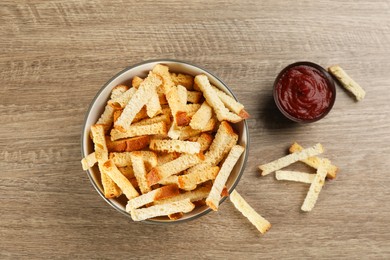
[331, 85]
[87, 113]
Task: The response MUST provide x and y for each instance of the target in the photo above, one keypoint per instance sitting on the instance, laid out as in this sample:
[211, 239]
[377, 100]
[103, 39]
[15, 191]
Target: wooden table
[55, 56]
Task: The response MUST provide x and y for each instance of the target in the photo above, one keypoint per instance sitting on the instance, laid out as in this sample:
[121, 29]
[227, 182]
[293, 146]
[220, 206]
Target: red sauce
[303, 92]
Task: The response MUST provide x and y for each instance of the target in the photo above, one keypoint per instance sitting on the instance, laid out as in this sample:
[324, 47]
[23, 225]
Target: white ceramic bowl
[124, 77]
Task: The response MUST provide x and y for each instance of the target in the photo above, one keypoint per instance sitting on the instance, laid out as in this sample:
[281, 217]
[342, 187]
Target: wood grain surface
[55, 56]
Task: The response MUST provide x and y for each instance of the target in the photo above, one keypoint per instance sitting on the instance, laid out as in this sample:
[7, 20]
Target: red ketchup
[304, 93]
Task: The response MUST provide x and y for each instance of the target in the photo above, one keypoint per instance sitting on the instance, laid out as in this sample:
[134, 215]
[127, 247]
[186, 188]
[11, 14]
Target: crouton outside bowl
[96, 108]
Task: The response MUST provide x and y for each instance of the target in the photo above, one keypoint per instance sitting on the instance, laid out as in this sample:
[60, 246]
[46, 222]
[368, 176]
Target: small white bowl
[124, 77]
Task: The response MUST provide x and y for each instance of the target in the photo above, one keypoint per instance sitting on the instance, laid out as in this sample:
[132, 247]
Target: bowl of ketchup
[304, 92]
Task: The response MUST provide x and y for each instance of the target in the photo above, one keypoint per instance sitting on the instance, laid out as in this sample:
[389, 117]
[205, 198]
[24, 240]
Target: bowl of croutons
[165, 141]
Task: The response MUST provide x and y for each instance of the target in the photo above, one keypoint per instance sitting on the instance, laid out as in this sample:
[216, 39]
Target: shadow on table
[272, 118]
